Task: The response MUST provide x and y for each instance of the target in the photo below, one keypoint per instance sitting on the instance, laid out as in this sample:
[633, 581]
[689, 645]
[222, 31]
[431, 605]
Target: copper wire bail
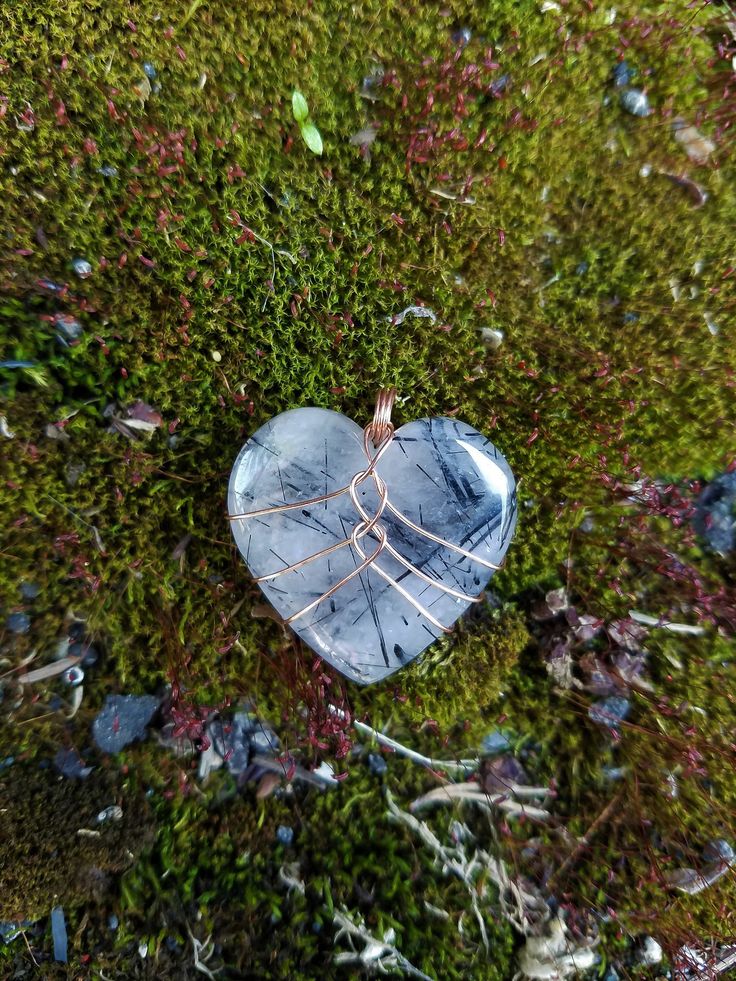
[381, 428]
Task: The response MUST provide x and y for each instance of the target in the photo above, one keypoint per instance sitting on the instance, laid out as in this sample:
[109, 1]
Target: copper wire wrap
[377, 437]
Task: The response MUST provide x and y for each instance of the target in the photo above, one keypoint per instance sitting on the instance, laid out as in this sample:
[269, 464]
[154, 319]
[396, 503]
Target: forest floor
[555, 181]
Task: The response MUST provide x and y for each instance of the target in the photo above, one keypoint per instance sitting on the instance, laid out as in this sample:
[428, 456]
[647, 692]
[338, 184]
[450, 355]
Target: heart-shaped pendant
[370, 543]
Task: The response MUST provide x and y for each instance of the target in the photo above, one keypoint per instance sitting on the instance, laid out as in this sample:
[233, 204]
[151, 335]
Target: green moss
[599, 370]
[54, 850]
[456, 679]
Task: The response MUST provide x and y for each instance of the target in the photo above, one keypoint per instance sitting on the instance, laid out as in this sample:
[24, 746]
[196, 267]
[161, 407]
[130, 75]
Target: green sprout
[310, 133]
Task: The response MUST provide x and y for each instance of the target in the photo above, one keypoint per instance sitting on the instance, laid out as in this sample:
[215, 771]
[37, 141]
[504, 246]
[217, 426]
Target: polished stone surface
[440, 473]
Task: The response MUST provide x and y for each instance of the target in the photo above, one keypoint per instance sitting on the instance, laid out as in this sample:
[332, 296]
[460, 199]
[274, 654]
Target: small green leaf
[312, 137]
[300, 107]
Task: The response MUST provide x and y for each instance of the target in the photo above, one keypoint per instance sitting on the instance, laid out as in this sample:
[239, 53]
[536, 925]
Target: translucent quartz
[440, 473]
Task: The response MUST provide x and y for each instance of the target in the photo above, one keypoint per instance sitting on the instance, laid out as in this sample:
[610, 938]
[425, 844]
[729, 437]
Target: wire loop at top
[381, 427]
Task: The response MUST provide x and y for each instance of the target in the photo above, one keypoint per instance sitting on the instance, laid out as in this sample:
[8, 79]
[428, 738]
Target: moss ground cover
[493, 176]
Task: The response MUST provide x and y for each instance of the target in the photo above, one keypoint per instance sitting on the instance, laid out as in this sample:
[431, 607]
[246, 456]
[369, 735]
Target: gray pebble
[69, 327]
[123, 719]
[9, 931]
[18, 623]
[82, 268]
[622, 74]
[264, 741]
[715, 514]
[74, 470]
[609, 711]
[462, 36]
[285, 834]
[70, 764]
[30, 591]
[377, 764]
[635, 102]
[87, 652]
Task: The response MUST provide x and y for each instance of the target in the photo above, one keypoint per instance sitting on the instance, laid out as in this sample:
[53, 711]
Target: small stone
[582, 268]
[113, 922]
[112, 813]
[495, 742]
[216, 357]
[650, 952]
[497, 775]
[645, 170]
[635, 102]
[68, 327]
[614, 772]
[123, 720]
[76, 630]
[82, 268]
[377, 764]
[372, 82]
[70, 764]
[18, 623]
[58, 933]
[87, 652]
[264, 741]
[462, 36]
[715, 514]
[630, 317]
[149, 71]
[30, 591]
[492, 337]
[698, 147]
[74, 470]
[609, 711]
[500, 85]
[9, 931]
[284, 835]
[622, 74]
[108, 171]
[73, 676]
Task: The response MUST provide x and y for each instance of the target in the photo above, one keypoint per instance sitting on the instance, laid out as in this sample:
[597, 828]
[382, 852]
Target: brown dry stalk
[583, 842]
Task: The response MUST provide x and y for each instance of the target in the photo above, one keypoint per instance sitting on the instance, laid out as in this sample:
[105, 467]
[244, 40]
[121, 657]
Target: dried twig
[49, 670]
[583, 843]
[379, 954]
[476, 873]
[675, 628]
[455, 766]
[474, 792]
[202, 953]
